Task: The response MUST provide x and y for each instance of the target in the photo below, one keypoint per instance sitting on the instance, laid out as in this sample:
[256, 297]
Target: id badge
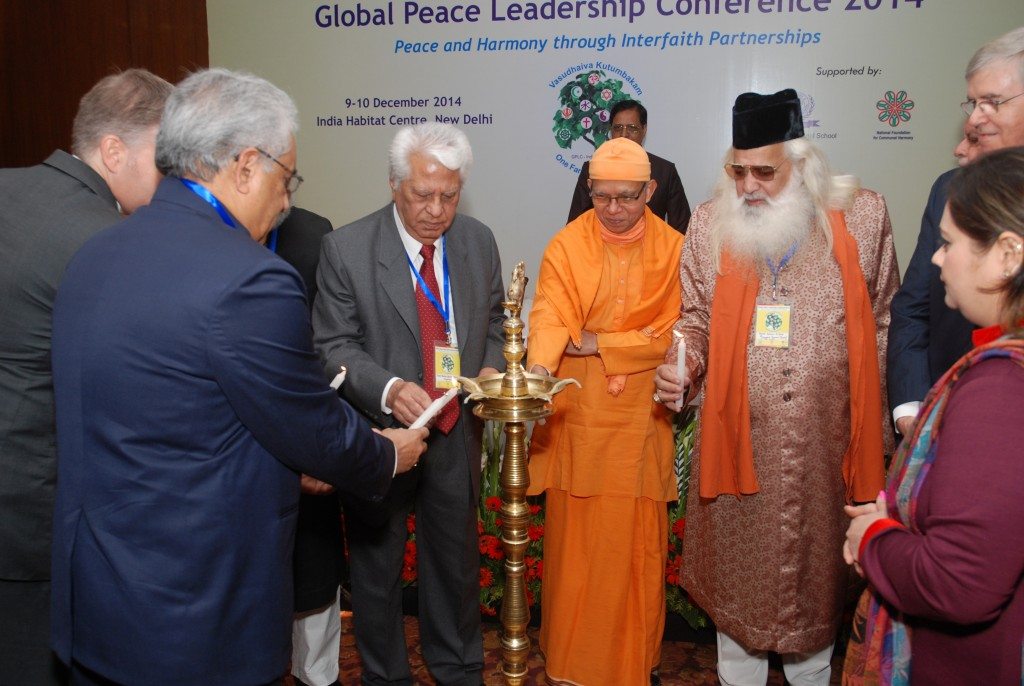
[773, 325]
[447, 365]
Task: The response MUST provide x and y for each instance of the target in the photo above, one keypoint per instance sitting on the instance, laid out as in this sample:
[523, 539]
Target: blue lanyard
[775, 269]
[206, 195]
[442, 309]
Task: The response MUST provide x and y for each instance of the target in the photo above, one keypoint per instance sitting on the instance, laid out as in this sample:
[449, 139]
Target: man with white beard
[787, 274]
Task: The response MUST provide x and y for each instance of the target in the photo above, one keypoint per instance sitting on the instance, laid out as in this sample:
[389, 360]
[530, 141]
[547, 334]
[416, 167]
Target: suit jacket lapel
[395, 279]
[460, 275]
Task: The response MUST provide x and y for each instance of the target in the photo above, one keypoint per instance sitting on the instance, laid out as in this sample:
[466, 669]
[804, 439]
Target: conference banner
[531, 82]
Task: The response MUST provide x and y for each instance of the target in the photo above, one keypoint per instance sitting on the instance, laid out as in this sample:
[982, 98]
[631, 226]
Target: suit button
[787, 396]
[787, 372]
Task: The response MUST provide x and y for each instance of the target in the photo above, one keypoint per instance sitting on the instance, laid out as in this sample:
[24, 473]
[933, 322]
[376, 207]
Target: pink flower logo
[894, 108]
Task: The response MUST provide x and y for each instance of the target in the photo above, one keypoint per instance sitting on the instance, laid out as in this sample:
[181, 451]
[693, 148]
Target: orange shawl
[570, 275]
[727, 455]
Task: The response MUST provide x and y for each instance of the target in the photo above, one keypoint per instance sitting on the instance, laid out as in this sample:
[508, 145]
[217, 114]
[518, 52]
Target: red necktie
[432, 330]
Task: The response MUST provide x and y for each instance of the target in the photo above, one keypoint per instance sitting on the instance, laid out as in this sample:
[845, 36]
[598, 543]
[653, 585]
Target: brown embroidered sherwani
[768, 567]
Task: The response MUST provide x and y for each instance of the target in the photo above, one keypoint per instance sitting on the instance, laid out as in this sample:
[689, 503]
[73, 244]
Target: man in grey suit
[46, 213]
[410, 296]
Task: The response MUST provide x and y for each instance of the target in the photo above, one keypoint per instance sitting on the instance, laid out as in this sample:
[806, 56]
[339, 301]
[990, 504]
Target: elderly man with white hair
[189, 400]
[408, 298]
[787, 276]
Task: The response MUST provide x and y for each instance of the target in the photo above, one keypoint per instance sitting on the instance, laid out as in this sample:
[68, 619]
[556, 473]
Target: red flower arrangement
[409, 557]
[677, 599]
[672, 569]
[490, 547]
[486, 577]
[679, 528]
[492, 555]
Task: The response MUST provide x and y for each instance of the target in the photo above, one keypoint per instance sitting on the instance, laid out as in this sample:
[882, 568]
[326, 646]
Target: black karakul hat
[760, 120]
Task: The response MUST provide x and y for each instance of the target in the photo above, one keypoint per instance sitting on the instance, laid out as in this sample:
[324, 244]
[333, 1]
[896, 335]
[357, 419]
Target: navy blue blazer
[188, 399]
[925, 336]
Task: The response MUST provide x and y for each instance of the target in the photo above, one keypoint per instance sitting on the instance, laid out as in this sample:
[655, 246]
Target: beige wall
[518, 187]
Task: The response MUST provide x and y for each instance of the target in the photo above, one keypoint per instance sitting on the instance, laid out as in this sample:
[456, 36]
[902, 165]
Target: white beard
[754, 232]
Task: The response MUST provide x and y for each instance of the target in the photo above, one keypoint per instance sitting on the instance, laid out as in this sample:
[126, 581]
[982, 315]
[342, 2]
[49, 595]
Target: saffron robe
[768, 567]
[606, 461]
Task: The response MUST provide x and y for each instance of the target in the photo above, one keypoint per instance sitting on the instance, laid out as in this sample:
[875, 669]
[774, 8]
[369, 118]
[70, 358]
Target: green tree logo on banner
[586, 103]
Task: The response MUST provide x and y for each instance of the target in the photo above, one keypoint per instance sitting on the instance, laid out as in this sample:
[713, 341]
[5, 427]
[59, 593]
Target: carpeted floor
[682, 664]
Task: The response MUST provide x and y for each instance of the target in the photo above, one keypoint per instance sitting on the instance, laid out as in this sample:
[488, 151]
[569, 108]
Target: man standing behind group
[409, 297]
[607, 298]
[787, 278]
[926, 336]
[319, 550]
[189, 399]
[629, 120]
[46, 213]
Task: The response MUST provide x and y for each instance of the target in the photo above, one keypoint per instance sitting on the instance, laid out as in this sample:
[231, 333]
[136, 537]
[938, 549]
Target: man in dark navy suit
[189, 399]
[925, 336]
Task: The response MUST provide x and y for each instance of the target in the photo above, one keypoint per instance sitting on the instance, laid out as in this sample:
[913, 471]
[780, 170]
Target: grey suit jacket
[365, 315]
[46, 213]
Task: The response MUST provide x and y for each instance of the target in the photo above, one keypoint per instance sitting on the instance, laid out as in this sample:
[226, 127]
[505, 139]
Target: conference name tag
[447, 365]
[772, 326]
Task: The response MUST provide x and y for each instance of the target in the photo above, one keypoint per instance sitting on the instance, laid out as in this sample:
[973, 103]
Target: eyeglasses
[293, 181]
[761, 172]
[986, 105]
[625, 128]
[602, 199]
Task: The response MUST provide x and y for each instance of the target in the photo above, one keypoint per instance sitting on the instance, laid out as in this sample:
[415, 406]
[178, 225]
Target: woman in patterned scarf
[942, 549]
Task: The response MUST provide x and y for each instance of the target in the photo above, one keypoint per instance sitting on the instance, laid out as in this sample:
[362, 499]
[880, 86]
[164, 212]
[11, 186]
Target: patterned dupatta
[879, 648]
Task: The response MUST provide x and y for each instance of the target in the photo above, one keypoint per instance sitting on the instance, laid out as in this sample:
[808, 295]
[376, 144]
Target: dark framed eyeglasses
[625, 128]
[293, 180]
[761, 172]
[988, 106]
[601, 199]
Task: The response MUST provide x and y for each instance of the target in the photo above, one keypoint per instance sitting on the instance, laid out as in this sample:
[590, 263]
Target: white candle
[434, 408]
[339, 378]
[680, 366]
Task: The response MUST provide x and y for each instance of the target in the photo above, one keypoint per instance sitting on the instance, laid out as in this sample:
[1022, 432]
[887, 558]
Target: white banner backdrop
[531, 81]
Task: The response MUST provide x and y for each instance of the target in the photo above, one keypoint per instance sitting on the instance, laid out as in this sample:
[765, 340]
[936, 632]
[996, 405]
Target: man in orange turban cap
[607, 298]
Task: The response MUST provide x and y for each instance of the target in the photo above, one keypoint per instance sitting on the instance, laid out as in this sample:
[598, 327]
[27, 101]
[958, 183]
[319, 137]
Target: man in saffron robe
[787, 277]
[606, 300]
